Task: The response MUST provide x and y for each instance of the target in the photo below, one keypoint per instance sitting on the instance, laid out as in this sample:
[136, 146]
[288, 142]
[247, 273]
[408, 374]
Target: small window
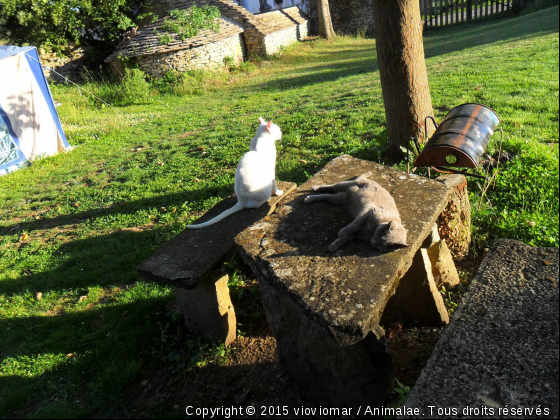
[8, 150]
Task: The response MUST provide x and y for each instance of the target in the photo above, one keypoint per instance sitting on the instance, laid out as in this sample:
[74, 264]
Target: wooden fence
[448, 12]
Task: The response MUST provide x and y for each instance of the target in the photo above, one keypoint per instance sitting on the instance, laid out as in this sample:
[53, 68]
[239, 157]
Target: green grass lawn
[78, 324]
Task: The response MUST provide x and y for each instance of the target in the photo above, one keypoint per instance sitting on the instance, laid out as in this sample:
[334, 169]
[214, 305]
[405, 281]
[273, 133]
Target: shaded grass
[77, 324]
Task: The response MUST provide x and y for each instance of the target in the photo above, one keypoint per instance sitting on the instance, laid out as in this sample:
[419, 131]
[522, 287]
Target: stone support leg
[208, 310]
[417, 297]
[454, 223]
[351, 376]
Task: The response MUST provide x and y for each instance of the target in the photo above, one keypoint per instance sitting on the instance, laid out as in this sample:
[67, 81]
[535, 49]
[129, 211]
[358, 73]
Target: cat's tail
[239, 206]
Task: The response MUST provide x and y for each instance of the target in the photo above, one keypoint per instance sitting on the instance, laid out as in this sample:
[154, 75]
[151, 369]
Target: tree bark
[325, 23]
[402, 67]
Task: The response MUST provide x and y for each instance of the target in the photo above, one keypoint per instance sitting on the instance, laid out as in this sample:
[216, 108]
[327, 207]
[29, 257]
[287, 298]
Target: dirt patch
[252, 376]
[411, 348]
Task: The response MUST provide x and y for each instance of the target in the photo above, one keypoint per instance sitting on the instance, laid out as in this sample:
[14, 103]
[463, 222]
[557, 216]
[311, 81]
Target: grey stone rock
[345, 292]
[501, 348]
[454, 223]
[443, 267]
[324, 308]
[417, 298]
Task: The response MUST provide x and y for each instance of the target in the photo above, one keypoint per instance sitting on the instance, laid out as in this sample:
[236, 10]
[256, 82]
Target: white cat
[255, 178]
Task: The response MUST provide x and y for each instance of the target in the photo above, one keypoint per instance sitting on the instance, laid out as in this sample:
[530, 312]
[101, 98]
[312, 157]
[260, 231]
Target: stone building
[242, 35]
[348, 17]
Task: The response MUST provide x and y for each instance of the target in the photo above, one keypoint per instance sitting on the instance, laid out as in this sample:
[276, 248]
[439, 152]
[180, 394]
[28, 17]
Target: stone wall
[282, 28]
[348, 17]
[203, 57]
[70, 66]
[284, 37]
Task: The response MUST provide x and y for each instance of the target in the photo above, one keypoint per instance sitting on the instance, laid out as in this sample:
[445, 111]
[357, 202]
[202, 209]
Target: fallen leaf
[70, 355]
[24, 237]
[82, 298]
[39, 296]
[546, 262]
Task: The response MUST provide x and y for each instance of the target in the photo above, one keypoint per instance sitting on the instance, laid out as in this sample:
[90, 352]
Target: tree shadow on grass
[460, 37]
[97, 350]
[95, 261]
[101, 356]
[94, 362]
[336, 64]
[330, 66]
[130, 207]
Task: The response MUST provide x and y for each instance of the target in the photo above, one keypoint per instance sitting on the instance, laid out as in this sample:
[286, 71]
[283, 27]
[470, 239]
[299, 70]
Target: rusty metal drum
[461, 139]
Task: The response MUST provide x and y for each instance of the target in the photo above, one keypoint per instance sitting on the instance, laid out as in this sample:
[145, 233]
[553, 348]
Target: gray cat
[376, 217]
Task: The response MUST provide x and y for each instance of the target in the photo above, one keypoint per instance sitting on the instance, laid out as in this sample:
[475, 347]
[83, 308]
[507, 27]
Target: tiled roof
[235, 19]
[146, 41]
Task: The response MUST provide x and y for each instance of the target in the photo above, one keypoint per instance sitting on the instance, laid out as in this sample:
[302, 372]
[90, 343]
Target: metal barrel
[462, 137]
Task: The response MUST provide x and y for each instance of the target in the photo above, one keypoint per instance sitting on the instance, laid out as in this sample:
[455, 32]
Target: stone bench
[191, 262]
[500, 352]
[325, 309]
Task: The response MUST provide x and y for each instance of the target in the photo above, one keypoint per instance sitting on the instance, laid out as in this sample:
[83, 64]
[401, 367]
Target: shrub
[133, 89]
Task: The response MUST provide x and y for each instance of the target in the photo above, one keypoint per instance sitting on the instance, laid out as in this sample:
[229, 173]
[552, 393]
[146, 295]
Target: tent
[29, 123]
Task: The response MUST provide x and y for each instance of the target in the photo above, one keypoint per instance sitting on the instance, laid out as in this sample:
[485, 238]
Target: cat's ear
[390, 226]
[269, 126]
[262, 121]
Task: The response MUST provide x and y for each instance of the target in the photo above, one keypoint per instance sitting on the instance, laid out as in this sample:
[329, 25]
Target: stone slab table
[324, 309]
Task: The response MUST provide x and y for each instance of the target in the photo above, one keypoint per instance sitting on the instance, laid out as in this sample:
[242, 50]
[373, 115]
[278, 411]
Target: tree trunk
[402, 67]
[325, 23]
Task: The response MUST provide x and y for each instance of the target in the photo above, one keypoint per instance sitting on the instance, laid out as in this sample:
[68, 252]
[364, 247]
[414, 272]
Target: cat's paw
[315, 187]
[308, 199]
[278, 193]
[333, 247]
[343, 232]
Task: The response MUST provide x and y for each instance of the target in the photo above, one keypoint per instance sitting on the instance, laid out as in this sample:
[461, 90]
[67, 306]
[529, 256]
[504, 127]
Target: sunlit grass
[73, 227]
